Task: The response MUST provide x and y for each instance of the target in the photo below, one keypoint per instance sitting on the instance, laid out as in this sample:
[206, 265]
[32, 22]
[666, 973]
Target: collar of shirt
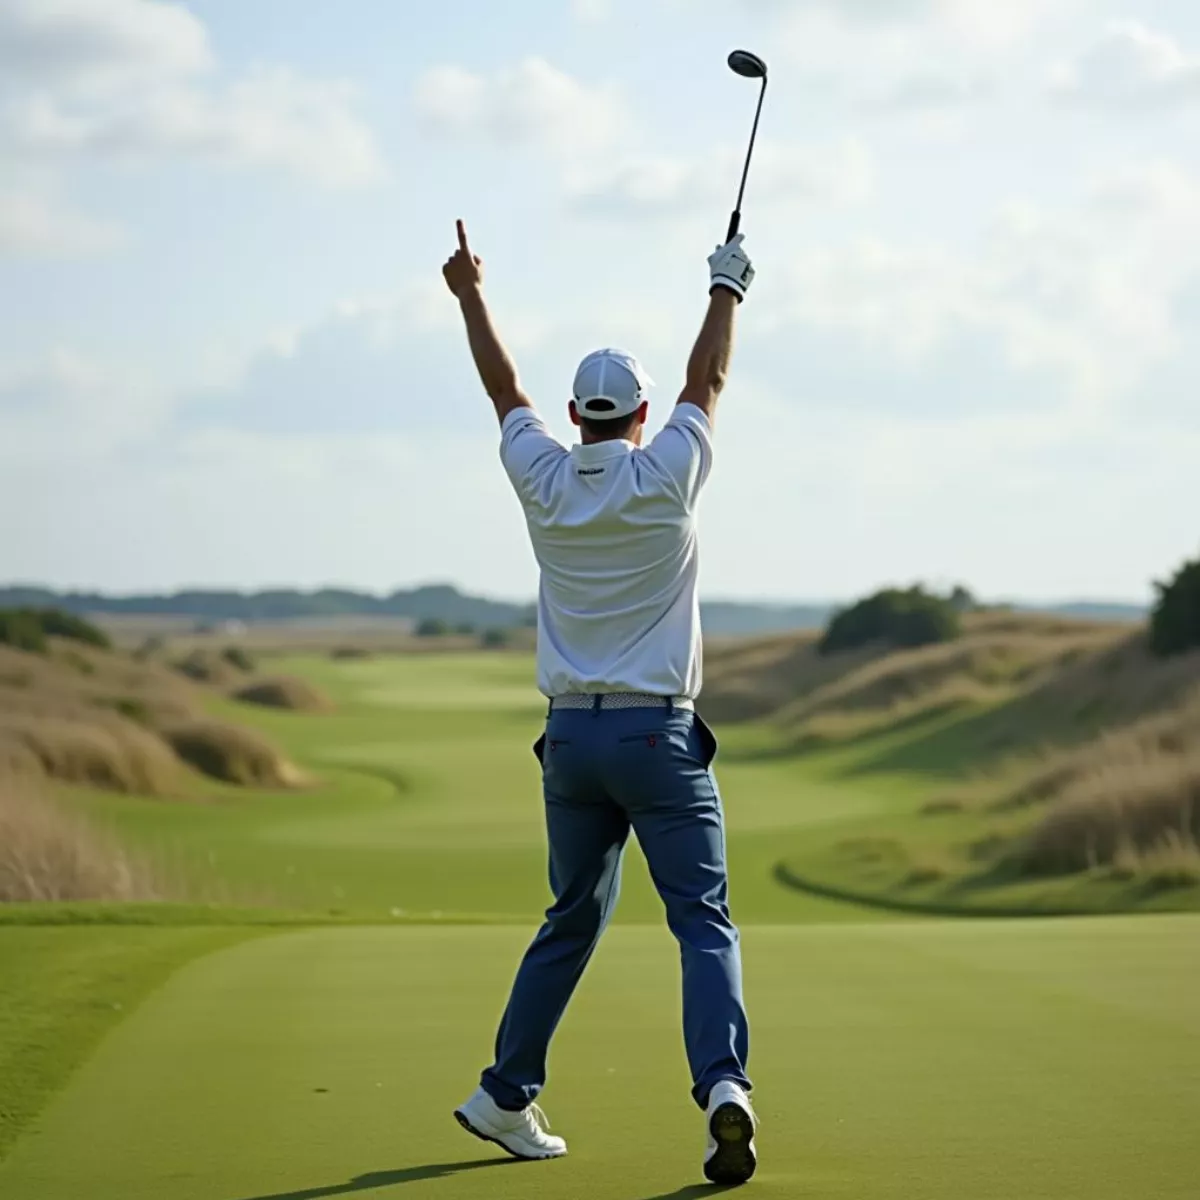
[601, 451]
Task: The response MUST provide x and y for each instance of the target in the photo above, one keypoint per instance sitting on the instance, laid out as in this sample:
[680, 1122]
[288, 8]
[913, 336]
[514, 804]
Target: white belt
[620, 700]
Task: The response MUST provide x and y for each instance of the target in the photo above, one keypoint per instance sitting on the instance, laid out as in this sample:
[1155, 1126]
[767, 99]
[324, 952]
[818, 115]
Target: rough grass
[125, 725]
[283, 691]
[48, 854]
[785, 679]
[106, 751]
[210, 667]
[1122, 811]
[232, 754]
[1076, 751]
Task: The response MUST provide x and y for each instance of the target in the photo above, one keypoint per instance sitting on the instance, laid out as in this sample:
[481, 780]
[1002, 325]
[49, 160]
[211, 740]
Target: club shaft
[736, 219]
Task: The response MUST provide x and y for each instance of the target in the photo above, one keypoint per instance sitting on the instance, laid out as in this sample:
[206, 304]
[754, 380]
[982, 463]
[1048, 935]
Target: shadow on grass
[694, 1191]
[374, 1180]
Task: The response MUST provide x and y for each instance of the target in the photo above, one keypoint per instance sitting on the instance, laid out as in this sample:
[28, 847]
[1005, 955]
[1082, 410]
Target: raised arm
[497, 371]
[708, 365]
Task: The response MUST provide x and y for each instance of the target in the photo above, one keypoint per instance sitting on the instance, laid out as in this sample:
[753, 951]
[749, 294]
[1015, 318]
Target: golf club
[750, 66]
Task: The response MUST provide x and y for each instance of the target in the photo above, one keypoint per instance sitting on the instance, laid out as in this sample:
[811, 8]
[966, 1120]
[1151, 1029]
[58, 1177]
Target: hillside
[83, 716]
[1040, 754]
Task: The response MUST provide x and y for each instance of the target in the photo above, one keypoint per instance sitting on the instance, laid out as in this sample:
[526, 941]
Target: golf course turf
[893, 1057]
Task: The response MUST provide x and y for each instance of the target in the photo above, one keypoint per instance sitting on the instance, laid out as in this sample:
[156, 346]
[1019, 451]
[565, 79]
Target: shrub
[494, 639]
[47, 853]
[231, 754]
[283, 692]
[235, 656]
[432, 627]
[892, 617]
[21, 630]
[1175, 621]
[349, 652]
[56, 623]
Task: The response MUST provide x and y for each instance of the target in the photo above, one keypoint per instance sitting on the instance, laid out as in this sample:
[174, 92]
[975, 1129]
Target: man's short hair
[613, 429]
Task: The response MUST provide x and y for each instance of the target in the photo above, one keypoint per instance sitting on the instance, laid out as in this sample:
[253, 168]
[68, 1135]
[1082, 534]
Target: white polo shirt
[613, 529]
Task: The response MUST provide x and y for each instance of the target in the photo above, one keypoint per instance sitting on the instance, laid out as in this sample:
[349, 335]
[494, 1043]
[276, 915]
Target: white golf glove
[729, 267]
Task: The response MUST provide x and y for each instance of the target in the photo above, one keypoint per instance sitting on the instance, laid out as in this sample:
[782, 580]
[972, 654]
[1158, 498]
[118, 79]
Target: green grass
[60, 991]
[430, 803]
[1056, 1060]
[893, 1058]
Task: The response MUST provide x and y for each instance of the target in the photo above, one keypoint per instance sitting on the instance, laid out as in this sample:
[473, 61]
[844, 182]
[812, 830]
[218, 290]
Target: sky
[970, 353]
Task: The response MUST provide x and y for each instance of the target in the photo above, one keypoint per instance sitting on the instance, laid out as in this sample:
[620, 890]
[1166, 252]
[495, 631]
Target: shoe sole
[460, 1117]
[734, 1162]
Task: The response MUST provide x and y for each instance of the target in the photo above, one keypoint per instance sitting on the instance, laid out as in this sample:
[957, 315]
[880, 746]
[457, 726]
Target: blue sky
[227, 357]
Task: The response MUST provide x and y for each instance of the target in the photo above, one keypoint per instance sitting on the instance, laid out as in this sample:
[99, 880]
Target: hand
[463, 270]
[730, 268]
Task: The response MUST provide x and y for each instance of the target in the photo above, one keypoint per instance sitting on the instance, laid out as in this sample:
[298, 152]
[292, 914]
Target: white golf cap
[610, 384]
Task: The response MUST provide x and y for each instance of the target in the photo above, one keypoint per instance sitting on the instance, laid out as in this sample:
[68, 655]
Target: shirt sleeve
[528, 450]
[683, 450]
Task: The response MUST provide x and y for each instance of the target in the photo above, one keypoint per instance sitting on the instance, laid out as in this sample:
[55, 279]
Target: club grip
[735, 222]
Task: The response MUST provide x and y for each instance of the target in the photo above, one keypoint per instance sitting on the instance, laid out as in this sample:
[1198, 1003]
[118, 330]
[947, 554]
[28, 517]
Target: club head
[742, 62]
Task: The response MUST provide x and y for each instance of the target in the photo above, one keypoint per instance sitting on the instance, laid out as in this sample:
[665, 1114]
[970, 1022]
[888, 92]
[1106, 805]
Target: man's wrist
[471, 295]
[725, 293]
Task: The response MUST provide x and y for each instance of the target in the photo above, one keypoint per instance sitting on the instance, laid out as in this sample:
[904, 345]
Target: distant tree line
[441, 601]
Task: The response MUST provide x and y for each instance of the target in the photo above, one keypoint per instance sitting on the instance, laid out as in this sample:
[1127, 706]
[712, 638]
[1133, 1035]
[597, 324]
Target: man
[618, 656]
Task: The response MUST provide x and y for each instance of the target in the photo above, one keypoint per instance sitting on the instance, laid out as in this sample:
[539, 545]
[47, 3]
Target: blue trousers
[605, 771]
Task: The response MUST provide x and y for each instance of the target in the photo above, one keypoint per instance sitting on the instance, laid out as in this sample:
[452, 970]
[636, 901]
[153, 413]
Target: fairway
[1054, 1060]
[430, 801]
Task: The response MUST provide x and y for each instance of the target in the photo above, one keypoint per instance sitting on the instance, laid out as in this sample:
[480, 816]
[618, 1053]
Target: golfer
[613, 527]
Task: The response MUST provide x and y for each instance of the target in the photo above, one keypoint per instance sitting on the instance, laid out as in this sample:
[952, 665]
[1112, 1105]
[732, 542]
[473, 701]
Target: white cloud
[67, 408]
[666, 185]
[100, 43]
[1130, 66]
[1088, 294]
[592, 12]
[36, 223]
[136, 80]
[532, 101]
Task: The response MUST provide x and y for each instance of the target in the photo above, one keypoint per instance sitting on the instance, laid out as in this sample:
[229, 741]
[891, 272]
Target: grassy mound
[232, 754]
[105, 751]
[283, 691]
[830, 698]
[205, 666]
[1076, 750]
[82, 715]
[48, 854]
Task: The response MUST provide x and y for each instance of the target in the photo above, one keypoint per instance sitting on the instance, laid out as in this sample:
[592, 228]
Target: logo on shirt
[590, 471]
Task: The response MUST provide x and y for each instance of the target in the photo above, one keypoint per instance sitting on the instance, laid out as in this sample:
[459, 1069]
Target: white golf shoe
[731, 1156]
[523, 1134]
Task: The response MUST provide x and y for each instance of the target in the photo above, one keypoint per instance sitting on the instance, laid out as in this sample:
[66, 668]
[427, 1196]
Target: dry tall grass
[105, 752]
[845, 695]
[47, 853]
[98, 718]
[232, 754]
[1131, 797]
[283, 691]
